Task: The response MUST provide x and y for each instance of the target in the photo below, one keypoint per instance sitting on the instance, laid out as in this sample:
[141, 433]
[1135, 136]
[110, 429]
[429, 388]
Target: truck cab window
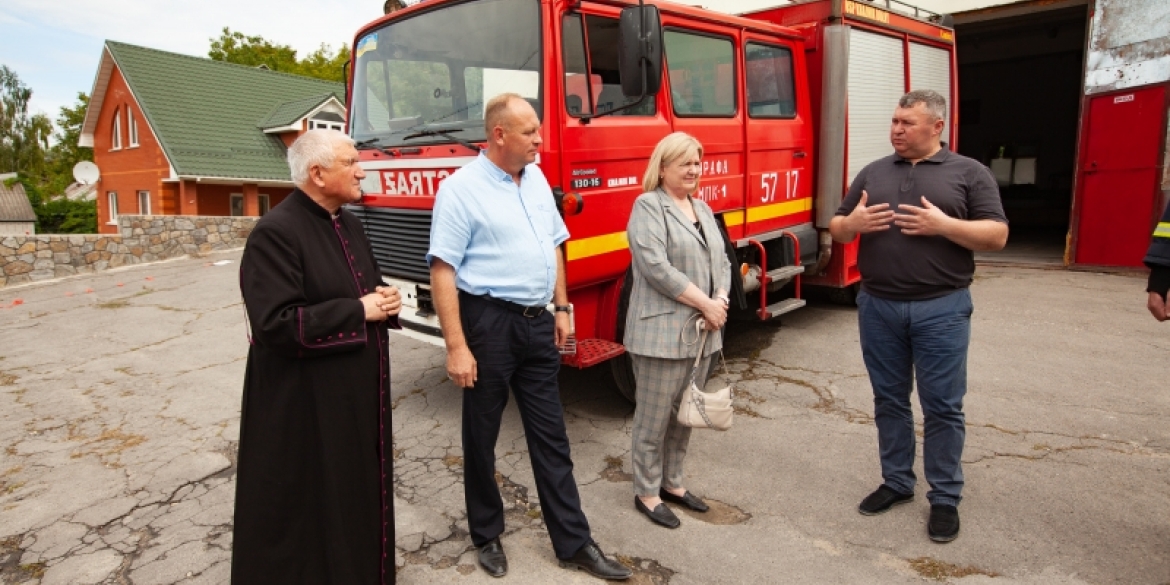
[702, 74]
[421, 79]
[770, 89]
[592, 82]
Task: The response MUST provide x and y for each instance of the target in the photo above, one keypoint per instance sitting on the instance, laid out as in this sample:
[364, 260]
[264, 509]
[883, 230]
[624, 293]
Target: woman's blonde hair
[669, 149]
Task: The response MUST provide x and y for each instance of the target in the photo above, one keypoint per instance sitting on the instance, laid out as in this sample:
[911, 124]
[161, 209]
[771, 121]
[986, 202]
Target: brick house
[179, 135]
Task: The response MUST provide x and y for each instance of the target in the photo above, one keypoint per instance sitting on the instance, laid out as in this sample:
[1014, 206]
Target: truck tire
[621, 367]
[623, 377]
[845, 296]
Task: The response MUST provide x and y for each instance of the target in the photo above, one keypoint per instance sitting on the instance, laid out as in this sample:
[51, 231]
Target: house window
[133, 124]
[116, 136]
[237, 201]
[112, 198]
[325, 125]
[144, 202]
[263, 205]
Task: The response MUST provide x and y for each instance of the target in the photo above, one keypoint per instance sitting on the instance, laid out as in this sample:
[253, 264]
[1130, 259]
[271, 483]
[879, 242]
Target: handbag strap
[699, 357]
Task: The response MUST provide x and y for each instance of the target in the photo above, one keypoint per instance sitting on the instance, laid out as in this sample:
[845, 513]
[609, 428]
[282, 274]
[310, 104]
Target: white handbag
[708, 408]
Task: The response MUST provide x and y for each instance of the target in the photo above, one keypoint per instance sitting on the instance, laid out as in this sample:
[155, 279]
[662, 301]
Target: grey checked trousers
[659, 442]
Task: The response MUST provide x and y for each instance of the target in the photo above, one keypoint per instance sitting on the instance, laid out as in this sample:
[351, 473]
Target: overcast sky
[55, 45]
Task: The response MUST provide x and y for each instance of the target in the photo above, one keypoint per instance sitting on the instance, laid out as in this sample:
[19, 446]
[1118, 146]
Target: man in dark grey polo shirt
[921, 213]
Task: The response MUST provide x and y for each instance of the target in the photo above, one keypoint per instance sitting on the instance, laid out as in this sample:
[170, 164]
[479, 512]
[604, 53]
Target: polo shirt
[500, 237]
[896, 266]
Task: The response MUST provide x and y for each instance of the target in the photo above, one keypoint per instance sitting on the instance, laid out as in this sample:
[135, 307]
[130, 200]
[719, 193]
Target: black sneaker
[881, 500]
[944, 523]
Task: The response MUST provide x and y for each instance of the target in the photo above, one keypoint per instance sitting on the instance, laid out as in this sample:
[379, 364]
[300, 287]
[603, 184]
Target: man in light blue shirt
[496, 262]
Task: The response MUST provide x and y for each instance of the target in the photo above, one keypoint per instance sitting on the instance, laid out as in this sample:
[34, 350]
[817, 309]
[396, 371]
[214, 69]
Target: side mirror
[640, 50]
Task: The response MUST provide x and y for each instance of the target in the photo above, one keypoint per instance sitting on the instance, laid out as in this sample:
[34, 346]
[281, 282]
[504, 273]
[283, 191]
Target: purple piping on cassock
[381, 396]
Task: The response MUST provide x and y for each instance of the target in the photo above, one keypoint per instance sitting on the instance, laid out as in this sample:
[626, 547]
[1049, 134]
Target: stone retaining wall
[142, 238]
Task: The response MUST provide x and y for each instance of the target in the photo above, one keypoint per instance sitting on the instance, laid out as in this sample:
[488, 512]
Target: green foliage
[23, 137]
[58, 215]
[65, 154]
[44, 171]
[254, 51]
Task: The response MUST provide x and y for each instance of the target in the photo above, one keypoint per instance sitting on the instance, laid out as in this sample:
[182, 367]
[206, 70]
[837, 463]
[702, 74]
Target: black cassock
[314, 502]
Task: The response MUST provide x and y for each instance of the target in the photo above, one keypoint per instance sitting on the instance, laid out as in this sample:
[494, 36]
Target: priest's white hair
[314, 148]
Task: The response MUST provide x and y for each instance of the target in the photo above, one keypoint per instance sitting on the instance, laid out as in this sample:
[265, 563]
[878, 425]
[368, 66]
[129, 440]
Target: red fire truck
[789, 104]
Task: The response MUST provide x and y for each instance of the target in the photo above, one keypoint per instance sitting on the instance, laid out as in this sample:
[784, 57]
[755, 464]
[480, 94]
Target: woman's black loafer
[659, 515]
[688, 499]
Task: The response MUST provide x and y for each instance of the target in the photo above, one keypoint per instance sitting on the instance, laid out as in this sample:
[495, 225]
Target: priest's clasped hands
[384, 302]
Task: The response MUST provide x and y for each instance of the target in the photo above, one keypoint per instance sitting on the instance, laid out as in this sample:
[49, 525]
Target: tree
[66, 153]
[24, 138]
[254, 51]
[43, 171]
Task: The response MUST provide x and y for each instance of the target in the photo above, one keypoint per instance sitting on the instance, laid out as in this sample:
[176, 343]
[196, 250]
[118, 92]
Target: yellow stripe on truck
[606, 243]
[765, 212]
[596, 245]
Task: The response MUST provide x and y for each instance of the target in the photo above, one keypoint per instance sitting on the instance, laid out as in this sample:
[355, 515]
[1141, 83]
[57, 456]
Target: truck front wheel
[623, 376]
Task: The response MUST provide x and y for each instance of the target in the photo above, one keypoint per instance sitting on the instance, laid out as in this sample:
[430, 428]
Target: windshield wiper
[445, 134]
[368, 144]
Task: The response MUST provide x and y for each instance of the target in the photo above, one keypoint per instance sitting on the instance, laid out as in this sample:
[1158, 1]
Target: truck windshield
[436, 70]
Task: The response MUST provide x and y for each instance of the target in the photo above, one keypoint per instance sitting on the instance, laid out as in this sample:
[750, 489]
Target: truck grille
[401, 238]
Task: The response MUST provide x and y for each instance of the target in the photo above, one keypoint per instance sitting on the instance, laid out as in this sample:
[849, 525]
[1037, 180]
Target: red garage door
[1118, 176]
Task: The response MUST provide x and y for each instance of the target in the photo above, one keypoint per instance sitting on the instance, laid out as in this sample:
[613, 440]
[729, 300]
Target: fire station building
[179, 135]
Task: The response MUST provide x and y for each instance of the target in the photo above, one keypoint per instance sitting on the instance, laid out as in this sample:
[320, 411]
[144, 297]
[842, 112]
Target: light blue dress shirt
[500, 237]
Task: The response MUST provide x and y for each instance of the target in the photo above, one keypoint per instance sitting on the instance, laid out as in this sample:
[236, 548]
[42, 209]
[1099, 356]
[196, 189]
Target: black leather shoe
[944, 523]
[881, 500]
[492, 558]
[688, 499]
[659, 515]
[590, 559]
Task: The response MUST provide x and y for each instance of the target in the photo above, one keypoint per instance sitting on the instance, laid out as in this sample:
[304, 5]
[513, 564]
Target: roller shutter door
[876, 80]
[930, 68]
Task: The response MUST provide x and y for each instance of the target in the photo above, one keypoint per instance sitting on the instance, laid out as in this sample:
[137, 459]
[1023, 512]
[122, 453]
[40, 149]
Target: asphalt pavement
[119, 420]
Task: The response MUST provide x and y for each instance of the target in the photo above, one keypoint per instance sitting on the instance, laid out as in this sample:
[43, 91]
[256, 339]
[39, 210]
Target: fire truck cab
[609, 79]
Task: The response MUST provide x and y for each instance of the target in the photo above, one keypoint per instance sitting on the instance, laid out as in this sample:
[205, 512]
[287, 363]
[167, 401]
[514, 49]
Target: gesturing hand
[927, 220]
[872, 218]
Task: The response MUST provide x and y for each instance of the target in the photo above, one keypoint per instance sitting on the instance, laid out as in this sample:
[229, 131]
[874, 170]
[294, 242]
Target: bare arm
[461, 366]
[980, 235]
[561, 297]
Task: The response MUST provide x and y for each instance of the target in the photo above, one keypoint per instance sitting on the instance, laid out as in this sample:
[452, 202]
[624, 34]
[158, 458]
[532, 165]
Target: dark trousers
[515, 351]
[924, 344]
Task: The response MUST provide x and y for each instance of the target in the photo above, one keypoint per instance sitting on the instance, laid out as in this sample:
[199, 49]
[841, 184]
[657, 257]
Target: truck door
[703, 88]
[604, 158]
[778, 130]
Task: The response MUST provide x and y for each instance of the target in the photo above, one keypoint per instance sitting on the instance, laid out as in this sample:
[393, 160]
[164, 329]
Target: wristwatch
[563, 308]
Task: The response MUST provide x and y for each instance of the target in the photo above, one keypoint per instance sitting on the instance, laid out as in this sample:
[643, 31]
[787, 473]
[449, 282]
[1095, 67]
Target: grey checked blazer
[668, 253]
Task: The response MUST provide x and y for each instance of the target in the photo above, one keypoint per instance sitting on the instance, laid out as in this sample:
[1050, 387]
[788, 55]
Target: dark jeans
[904, 342]
[515, 351]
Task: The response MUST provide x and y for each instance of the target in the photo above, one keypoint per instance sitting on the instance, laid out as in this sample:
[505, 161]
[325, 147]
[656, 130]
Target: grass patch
[941, 571]
[115, 304]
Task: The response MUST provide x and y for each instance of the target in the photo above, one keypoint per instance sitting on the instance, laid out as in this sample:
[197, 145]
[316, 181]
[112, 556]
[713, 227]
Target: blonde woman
[680, 272]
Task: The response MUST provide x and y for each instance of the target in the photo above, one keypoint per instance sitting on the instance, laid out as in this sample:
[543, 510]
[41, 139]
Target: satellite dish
[86, 172]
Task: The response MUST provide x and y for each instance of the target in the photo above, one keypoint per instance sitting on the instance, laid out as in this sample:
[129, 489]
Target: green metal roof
[288, 112]
[206, 113]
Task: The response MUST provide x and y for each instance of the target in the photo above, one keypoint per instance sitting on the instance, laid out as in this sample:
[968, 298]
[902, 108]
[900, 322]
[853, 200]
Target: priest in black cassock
[314, 502]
